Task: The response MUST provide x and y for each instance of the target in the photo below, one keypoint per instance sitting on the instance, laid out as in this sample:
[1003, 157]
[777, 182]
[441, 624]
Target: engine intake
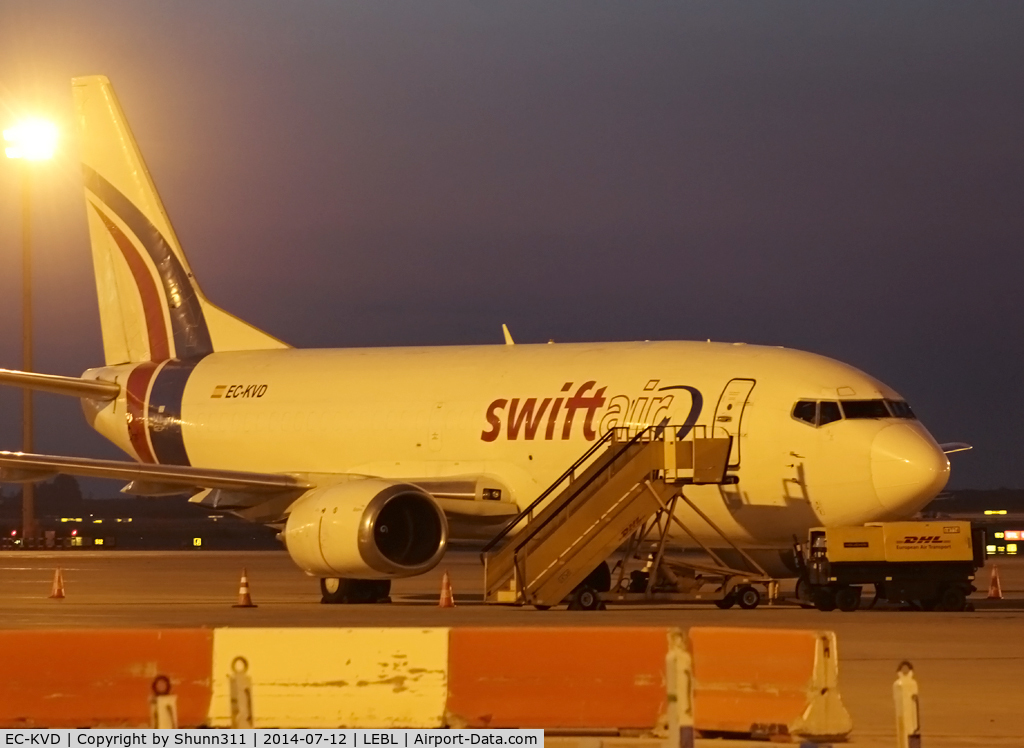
[367, 529]
[404, 528]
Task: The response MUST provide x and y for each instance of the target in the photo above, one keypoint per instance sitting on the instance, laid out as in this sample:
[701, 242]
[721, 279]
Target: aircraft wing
[93, 389]
[144, 478]
[264, 496]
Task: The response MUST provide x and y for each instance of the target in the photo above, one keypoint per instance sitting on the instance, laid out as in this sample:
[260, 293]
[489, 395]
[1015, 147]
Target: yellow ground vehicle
[929, 565]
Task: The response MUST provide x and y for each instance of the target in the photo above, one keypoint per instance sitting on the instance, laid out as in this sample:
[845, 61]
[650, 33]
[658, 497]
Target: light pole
[31, 140]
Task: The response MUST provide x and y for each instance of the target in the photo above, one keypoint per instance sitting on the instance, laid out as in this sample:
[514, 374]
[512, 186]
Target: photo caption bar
[127, 738]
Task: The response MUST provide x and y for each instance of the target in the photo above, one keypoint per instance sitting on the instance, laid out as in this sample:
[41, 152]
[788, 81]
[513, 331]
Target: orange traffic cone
[447, 598]
[995, 590]
[244, 598]
[57, 590]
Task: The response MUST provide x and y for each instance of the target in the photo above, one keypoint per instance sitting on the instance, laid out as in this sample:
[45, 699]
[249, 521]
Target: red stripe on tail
[156, 326]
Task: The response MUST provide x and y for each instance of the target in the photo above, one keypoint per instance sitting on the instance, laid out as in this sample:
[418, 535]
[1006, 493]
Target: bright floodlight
[33, 139]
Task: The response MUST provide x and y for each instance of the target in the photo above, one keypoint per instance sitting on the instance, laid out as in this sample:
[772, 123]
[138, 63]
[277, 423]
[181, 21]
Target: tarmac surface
[970, 666]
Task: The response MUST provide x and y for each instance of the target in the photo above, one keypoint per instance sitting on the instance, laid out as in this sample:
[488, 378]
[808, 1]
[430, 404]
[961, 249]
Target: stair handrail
[547, 492]
[608, 436]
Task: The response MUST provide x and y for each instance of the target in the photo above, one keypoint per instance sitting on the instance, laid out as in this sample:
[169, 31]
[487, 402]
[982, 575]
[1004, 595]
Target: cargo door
[729, 415]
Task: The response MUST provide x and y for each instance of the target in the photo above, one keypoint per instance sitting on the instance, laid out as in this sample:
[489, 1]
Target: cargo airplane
[367, 459]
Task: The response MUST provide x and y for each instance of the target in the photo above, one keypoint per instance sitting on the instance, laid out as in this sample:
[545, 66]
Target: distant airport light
[1013, 535]
[197, 542]
[1011, 548]
[32, 140]
[995, 511]
[14, 533]
[98, 541]
[997, 535]
[990, 548]
[74, 533]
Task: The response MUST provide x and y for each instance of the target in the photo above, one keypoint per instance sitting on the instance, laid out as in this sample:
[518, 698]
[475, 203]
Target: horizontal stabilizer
[92, 389]
[951, 447]
[19, 467]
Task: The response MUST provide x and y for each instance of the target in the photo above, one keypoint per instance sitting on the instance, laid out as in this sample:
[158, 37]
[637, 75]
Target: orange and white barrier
[102, 678]
[569, 678]
[322, 677]
[768, 683]
[658, 682]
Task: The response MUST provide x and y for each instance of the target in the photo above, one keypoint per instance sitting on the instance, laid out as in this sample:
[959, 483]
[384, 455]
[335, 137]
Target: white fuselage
[521, 414]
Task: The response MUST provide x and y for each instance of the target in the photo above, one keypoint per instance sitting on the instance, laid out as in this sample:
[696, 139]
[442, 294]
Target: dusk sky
[846, 179]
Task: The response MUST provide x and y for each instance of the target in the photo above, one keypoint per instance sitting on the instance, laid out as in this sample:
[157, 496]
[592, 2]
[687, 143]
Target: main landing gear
[335, 591]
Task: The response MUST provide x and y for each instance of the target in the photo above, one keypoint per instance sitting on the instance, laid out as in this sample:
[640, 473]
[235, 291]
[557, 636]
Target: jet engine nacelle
[366, 529]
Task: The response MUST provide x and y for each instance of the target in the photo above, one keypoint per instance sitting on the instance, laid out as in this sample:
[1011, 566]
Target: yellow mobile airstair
[621, 494]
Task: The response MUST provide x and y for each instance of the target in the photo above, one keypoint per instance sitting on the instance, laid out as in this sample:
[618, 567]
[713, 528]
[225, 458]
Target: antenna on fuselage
[508, 335]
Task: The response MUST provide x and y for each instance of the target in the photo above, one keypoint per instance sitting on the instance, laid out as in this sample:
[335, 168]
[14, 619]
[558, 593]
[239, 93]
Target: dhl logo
[922, 539]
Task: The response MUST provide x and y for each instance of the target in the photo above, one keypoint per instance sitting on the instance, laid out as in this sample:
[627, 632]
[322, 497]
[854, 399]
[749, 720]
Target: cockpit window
[829, 413]
[865, 409]
[900, 409]
[806, 410]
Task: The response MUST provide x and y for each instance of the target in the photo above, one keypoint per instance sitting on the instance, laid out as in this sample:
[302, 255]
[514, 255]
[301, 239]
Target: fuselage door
[729, 415]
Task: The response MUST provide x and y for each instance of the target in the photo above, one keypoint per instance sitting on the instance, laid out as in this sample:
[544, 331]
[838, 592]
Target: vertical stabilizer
[151, 307]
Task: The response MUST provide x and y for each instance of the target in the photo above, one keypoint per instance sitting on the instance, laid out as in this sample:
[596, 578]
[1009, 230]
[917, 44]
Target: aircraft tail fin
[151, 307]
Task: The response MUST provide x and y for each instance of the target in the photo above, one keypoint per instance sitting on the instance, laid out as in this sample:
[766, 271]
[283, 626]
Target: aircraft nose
[907, 468]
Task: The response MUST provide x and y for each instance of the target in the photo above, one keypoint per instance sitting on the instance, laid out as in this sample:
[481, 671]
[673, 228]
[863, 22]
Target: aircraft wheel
[726, 602]
[848, 599]
[748, 598]
[824, 599]
[331, 590]
[341, 591]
